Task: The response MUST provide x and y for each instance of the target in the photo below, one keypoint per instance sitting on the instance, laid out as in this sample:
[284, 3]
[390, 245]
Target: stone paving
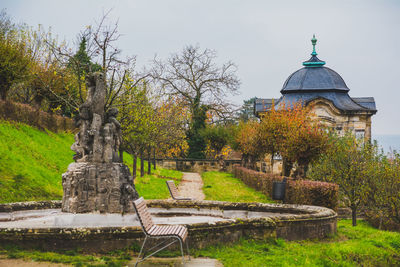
[55, 218]
[191, 186]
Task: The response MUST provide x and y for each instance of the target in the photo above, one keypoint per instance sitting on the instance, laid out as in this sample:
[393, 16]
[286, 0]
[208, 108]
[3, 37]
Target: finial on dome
[314, 61]
[314, 42]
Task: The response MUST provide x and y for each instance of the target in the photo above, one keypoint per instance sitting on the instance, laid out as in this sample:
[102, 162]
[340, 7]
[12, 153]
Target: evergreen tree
[247, 111]
[197, 143]
[81, 62]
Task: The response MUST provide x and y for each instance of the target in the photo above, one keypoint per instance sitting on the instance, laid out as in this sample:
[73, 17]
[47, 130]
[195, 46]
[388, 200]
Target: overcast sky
[268, 40]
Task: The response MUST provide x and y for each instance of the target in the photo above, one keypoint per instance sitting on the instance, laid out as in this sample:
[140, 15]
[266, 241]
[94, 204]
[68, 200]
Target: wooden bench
[174, 191]
[178, 233]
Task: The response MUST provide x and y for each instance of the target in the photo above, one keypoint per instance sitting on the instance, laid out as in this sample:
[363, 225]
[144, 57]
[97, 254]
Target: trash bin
[278, 189]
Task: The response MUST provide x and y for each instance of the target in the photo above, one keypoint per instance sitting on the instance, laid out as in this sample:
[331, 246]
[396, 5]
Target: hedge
[12, 111]
[298, 191]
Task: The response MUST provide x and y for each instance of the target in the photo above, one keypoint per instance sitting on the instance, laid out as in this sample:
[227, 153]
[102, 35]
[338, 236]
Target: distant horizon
[388, 142]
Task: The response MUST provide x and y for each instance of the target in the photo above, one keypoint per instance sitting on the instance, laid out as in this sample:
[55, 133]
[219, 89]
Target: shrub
[23, 113]
[312, 193]
[304, 192]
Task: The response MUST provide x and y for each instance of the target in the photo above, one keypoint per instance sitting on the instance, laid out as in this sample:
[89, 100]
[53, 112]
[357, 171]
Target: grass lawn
[223, 186]
[153, 186]
[362, 245]
[117, 258]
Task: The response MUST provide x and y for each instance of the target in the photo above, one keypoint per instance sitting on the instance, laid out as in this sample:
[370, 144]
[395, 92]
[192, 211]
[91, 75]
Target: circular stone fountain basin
[209, 222]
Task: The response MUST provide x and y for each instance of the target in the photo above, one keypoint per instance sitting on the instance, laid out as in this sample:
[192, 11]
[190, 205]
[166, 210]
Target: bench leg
[183, 256]
[187, 247]
[141, 249]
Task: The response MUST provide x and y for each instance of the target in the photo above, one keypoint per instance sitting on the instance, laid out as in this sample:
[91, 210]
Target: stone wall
[197, 165]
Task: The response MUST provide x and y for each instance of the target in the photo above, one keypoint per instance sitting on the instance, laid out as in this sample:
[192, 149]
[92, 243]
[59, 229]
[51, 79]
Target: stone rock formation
[97, 180]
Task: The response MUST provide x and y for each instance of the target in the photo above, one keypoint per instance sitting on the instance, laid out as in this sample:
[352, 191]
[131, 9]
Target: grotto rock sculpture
[97, 181]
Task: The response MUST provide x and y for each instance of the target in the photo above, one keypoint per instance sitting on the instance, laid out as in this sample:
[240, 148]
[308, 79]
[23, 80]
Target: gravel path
[191, 186]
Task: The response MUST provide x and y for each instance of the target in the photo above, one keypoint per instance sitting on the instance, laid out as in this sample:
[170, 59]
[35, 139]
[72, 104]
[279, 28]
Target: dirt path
[191, 186]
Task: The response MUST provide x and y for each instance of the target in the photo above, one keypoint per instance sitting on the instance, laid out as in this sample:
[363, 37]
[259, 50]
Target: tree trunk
[305, 170]
[354, 215]
[3, 94]
[154, 159]
[141, 163]
[253, 163]
[149, 160]
[272, 163]
[134, 166]
[286, 168]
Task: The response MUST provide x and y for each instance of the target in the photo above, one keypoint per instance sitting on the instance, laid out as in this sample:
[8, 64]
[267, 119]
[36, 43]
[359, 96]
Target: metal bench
[174, 191]
[172, 233]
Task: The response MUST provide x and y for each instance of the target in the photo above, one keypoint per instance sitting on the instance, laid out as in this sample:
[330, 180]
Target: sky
[267, 40]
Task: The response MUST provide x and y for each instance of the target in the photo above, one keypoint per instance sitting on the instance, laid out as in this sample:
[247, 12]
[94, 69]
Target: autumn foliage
[288, 131]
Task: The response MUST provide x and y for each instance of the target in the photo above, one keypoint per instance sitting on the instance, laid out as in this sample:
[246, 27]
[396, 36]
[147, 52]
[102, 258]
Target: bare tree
[194, 76]
[101, 47]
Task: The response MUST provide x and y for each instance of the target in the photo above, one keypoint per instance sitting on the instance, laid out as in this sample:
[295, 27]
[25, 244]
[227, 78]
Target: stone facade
[359, 123]
[98, 181]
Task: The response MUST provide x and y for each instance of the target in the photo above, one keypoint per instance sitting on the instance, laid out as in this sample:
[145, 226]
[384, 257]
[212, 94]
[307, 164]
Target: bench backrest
[143, 214]
[172, 189]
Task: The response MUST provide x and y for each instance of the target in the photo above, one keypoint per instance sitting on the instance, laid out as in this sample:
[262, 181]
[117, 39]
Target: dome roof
[314, 79]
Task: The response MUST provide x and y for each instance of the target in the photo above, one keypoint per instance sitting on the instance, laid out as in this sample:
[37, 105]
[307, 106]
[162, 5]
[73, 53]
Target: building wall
[327, 113]
[359, 123]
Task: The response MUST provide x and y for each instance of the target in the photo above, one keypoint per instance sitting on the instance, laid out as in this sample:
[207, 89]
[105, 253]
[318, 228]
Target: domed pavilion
[328, 95]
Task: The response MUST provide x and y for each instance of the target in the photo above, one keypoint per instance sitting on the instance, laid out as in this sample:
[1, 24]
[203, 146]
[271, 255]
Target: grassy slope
[224, 187]
[32, 161]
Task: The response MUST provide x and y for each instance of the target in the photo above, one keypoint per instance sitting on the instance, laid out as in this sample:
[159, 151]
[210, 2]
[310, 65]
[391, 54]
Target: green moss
[223, 186]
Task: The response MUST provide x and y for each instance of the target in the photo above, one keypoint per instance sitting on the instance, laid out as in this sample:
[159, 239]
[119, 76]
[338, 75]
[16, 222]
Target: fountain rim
[304, 222]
